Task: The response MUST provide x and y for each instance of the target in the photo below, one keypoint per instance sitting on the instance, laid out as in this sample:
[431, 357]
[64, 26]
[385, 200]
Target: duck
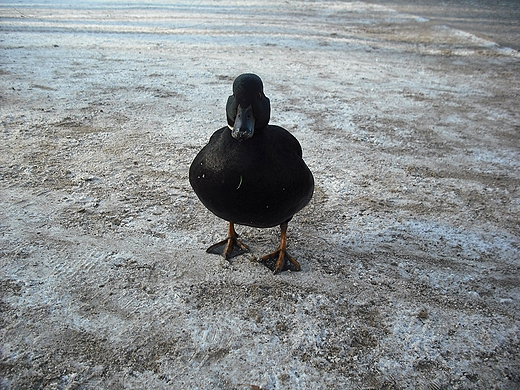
[252, 173]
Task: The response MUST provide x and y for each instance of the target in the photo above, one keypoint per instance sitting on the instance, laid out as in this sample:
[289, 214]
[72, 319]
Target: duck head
[248, 109]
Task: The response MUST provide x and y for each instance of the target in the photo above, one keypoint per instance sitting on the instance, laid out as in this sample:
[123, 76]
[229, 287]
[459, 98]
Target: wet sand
[496, 21]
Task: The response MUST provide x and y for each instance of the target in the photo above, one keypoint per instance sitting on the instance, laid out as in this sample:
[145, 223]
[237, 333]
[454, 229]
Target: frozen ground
[409, 249]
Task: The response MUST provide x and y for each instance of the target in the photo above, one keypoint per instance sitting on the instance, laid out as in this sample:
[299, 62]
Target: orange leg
[280, 260]
[230, 247]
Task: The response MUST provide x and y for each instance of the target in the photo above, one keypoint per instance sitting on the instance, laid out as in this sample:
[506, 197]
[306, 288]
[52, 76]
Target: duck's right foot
[230, 247]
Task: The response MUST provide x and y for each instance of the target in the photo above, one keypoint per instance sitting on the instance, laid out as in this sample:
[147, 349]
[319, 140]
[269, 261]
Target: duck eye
[259, 95]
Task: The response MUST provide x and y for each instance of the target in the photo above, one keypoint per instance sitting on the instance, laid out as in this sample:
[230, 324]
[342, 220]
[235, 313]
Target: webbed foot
[230, 247]
[280, 260]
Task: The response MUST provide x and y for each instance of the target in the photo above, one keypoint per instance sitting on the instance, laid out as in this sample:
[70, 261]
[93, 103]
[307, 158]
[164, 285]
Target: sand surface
[410, 248]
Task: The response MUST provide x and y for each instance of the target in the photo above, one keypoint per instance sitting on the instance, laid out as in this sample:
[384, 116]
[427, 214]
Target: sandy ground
[494, 20]
[410, 247]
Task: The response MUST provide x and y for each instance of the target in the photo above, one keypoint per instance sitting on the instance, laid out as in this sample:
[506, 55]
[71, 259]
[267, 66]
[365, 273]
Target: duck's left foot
[230, 247]
[280, 261]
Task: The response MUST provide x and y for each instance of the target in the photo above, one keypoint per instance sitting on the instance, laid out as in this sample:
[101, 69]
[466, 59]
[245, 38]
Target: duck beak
[244, 126]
